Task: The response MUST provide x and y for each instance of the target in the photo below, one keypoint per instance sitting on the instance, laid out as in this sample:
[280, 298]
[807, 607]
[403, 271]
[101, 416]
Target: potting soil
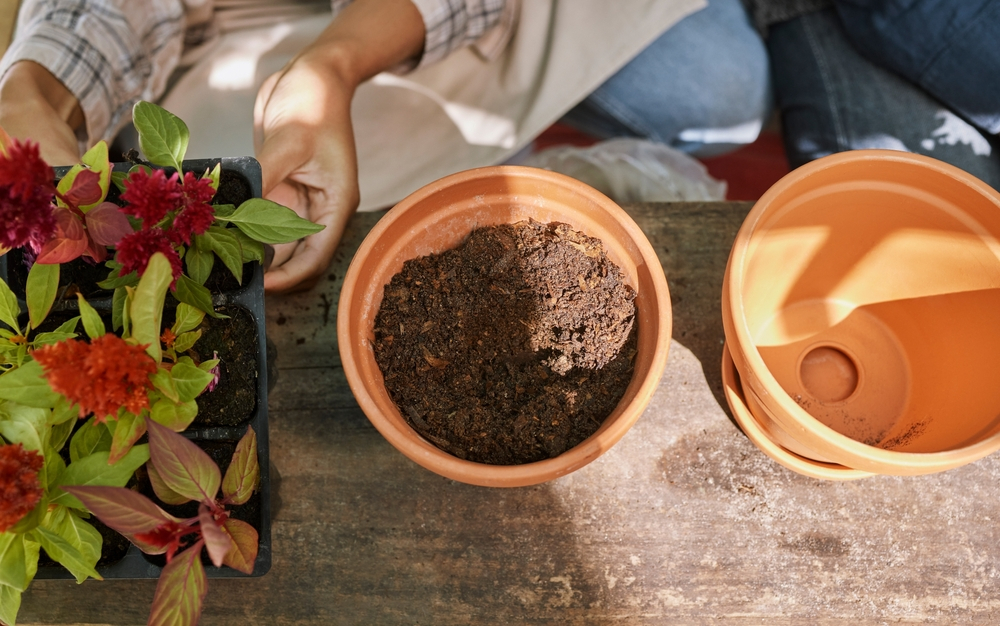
[511, 348]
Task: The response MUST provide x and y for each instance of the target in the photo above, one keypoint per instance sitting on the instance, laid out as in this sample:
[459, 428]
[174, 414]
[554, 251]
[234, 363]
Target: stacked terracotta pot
[861, 307]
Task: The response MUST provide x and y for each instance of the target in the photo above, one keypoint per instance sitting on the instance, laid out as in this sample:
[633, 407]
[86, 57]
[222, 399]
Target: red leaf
[216, 539]
[96, 251]
[183, 466]
[180, 590]
[242, 556]
[107, 224]
[69, 242]
[243, 474]
[86, 189]
[122, 509]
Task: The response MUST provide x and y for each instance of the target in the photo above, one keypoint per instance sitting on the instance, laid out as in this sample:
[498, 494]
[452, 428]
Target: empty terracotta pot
[861, 305]
[439, 217]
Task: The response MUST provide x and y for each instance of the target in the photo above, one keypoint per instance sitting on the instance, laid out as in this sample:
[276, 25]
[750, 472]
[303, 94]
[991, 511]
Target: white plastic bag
[633, 170]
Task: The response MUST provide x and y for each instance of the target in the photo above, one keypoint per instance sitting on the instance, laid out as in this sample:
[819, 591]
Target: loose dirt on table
[511, 348]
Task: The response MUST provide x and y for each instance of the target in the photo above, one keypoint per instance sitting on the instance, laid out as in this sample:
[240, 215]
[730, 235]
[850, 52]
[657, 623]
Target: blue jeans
[702, 87]
[832, 99]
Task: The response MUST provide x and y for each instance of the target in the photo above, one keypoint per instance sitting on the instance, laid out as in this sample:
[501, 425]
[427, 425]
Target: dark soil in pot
[234, 399]
[513, 347]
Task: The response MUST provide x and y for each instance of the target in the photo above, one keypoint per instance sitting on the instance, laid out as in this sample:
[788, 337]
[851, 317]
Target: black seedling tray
[250, 296]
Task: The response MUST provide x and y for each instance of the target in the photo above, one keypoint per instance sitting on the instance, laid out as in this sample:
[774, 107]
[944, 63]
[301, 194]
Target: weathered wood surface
[683, 522]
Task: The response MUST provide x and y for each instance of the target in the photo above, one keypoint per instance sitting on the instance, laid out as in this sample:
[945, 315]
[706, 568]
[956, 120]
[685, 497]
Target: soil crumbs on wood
[513, 347]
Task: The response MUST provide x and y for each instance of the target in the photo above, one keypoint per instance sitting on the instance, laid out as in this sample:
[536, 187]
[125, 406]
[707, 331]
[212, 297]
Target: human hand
[35, 105]
[305, 144]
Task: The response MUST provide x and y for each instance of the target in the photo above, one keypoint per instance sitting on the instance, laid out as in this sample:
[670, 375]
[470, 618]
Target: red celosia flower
[167, 535]
[100, 377]
[20, 489]
[193, 220]
[135, 249]
[26, 191]
[151, 196]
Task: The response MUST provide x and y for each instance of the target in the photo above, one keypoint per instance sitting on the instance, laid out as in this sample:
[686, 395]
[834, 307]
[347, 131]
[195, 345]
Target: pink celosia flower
[99, 377]
[26, 191]
[20, 489]
[135, 249]
[193, 220]
[151, 196]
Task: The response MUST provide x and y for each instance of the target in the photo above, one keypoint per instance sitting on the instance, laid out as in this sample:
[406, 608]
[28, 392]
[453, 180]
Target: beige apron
[461, 113]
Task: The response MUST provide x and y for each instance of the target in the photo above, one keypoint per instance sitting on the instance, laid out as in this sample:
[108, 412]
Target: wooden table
[683, 521]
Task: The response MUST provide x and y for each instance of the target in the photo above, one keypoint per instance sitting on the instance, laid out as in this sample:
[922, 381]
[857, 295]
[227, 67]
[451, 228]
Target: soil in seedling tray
[511, 348]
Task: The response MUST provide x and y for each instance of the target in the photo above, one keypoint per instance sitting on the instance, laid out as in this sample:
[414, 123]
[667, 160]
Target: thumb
[280, 155]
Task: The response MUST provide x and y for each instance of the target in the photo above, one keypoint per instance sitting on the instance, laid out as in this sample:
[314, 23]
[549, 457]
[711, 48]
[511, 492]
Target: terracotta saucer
[756, 434]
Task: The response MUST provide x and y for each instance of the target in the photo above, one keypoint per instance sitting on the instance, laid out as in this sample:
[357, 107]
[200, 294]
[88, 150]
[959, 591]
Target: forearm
[368, 37]
[35, 105]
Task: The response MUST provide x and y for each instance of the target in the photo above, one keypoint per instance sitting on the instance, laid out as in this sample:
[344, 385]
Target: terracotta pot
[861, 305]
[439, 217]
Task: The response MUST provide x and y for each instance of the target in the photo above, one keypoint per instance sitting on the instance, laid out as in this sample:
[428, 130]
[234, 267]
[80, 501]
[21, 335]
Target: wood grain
[683, 522]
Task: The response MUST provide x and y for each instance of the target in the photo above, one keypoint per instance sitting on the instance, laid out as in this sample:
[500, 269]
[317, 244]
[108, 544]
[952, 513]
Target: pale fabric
[463, 112]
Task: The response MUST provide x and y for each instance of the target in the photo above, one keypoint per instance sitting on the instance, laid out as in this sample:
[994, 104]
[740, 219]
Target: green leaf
[40, 291]
[10, 603]
[63, 411]
[163, 137]
[270, 222]
[27, 385]
[126, 331]
[54, 467]
[227, 247]
[115, 281]
[253, 250]
[65, 553]
[199, 261]
[175, 416]
[164, 382]
[128, 429]
[118, 178]
[190, 292]
[243, 475]
[186, 341]
[69, 326]
[92, 322]
[118, 309]
[186, 318]
[13, 562]
[180, 590]
[26, 426]
[224, 210]
[77, 533]
[147, 304]
[9, 310]
[94, 470]
[92, 437]
[190, 380]
[60, 435]
[47, 339]
[214, 176]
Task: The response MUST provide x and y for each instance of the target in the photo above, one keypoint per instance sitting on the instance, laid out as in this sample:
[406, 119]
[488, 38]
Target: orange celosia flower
[20, 489]
[101, 376]
[168, 338]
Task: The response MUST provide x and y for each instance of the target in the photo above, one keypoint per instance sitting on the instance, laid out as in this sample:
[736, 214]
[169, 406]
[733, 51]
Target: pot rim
[808, 430]
[415, 447]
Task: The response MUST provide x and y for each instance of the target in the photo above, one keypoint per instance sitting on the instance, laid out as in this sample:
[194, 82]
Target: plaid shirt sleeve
[453, 24]
[109, 53]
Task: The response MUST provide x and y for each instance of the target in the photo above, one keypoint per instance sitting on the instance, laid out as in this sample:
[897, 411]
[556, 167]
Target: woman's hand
[305, 145]
[303, 134]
